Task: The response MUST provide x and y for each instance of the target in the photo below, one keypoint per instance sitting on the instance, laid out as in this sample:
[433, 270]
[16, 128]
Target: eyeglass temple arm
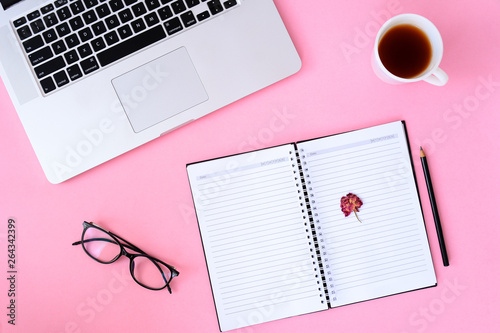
[131, 246]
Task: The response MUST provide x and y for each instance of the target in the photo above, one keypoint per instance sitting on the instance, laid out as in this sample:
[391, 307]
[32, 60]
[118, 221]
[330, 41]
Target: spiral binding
[323, 288]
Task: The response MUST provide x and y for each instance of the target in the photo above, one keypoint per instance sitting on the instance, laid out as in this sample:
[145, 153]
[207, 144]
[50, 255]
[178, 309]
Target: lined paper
[388, 252]
[253, 224]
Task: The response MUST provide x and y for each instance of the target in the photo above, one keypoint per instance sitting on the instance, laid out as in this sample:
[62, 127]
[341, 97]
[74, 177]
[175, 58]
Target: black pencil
[435, 213]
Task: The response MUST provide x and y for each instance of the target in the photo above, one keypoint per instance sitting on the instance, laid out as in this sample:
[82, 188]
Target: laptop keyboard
[67, 40]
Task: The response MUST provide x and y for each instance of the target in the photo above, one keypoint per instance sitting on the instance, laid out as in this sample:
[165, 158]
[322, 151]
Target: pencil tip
[422, 154]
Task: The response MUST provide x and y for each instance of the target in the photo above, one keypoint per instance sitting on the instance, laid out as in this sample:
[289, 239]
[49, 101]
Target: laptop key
[215, 7]
[50, 19]
[60, 3]
[84, 50]
[192, 3]
[61, 78]
[98, 28]
[125, 15]
[50, 67]
[47, 8]
[19, 22]
[203, 15]
[59, 47]
[188, 19]
[89, 17]
[151, 19]
[64, 13]
[47, 85]
[131, 45]
[178, 7]
[98, 44]
[91, 3]
[71, 57]
[152, 4]
[74, 72]
[37, 26]
[63, 29]
[49, 36]
[111, 38]
[72, 41]
[33, 15]
[124, 31]
[172, 26]
[112, 22]
[89, 65]
[76, 23]
[24, 32]
[103, 10]
[85, 34]
[138, 25]
[77, 7]
[40, 56]
[139, 9]
[33, 43]
[230, 3]
[165, 13]
[116, 5]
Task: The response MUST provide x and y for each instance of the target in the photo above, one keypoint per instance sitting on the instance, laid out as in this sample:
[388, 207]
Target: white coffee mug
[432, 74]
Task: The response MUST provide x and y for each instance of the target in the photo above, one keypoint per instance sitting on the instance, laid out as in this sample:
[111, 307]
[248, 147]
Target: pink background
[144, 195]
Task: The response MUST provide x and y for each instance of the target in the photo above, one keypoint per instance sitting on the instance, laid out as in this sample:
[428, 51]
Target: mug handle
[438, 77]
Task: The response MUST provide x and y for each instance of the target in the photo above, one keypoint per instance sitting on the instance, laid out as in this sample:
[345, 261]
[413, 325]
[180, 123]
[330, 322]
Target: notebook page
[252, 221]
[388, 252]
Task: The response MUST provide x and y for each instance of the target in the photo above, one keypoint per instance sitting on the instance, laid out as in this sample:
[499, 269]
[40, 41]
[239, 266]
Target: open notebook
[277, 243]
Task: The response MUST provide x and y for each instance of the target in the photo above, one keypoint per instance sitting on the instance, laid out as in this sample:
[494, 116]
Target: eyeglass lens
[148, 272]
[100, 246]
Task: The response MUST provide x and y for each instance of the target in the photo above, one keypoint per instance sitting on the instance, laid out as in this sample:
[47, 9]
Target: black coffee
[405, 51]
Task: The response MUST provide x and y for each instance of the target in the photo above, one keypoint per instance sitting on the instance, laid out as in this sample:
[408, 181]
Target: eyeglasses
[105, 247]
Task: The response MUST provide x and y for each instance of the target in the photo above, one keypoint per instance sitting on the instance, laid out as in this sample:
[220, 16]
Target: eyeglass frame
[118, 240]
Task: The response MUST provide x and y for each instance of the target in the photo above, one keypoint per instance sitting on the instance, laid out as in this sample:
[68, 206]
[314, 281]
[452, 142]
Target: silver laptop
[93, 79]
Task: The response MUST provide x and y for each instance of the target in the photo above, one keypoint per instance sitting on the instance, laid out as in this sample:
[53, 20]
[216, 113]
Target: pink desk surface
[144, 195]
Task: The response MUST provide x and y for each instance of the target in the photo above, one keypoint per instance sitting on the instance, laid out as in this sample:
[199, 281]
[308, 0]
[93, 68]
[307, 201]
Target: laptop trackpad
[159, 89]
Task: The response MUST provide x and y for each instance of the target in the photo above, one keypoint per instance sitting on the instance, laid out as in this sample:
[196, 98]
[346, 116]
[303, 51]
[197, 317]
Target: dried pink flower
[350, 203]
